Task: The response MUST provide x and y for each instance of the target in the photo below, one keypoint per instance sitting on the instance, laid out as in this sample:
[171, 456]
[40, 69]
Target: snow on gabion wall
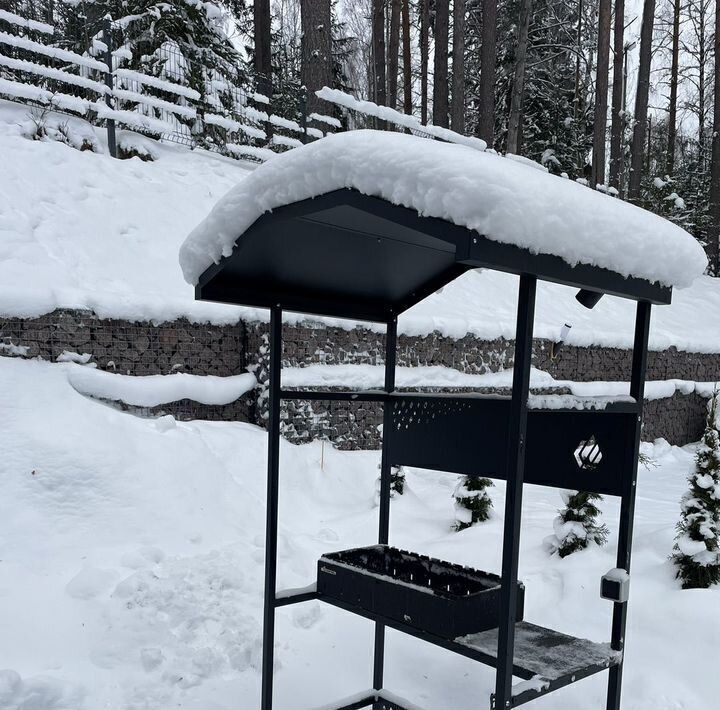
[141, 348]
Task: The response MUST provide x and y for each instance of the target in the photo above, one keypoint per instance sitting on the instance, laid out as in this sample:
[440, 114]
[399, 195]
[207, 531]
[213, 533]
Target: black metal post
[385, 480]
[513, 498]
[272, 507]
[109, 122]
[627, 504]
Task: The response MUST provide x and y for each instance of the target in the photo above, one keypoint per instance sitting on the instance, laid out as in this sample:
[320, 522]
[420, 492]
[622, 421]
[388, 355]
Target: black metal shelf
[608, 407]
[550, 660]
[335, 395]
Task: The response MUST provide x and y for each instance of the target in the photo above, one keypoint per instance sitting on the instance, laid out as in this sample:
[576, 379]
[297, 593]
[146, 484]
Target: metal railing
[161, 93]
[222, 112]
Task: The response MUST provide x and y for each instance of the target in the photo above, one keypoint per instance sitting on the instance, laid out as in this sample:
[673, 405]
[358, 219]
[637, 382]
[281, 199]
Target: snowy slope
[131, 556]
[83, 230]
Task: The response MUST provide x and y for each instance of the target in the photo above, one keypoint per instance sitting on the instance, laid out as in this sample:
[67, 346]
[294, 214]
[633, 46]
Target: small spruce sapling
[472, 501]
[577, 524]
[697, 544]
[397, 483]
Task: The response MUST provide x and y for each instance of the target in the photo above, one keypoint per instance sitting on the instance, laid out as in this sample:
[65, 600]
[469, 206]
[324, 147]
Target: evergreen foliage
[472, 501]
[697, 545]
[288, 91]
[397, 483]
[557, 106]
[577, 524]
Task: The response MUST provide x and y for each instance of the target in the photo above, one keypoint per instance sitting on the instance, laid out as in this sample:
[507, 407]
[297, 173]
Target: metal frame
[627, 505]
[385, 245]
[504, 659]
[271, 602]
[513, 497]
[271, 527]
[385, 481]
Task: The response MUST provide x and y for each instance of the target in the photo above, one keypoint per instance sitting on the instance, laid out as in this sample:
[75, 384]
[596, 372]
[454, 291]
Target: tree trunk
[424, 58]
[316, 49]
[516, 96]
[641, 101]
[393, 53]
[578, 56]
[407, 59]
[672, 110]
[601, 94]
[379, 87]
[440, 76]
[263, 56]
[488, 62]
[714, 237]
[457, 106]
[702, 118]
[617, 128]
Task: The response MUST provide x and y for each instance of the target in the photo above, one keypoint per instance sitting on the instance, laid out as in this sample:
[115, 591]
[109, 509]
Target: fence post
[304, 113]
[110, 123]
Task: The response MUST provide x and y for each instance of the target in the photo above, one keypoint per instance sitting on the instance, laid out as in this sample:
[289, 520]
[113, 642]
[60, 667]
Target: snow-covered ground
[78, 229]
[131, 567]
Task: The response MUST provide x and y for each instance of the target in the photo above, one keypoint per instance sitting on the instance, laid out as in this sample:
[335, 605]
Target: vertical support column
[385, 474]
[627, 503]
[513, 500]
[109, 123]
[272, 507]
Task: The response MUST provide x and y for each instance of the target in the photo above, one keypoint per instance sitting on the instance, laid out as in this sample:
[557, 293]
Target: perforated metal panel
[584, 450]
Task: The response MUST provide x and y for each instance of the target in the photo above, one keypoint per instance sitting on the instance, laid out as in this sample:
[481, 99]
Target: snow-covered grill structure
[363, 225]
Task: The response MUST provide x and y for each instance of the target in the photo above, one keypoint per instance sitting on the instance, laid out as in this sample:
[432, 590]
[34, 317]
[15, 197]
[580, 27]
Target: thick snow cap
[501, 199]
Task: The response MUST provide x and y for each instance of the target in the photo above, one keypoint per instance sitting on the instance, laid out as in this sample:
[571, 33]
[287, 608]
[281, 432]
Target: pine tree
[186, 43]
[697, 545]
[316, 43]
[557, 110]
[472, 501]
[577, 524]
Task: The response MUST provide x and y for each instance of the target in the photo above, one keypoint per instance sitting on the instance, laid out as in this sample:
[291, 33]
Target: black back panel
[588, 450]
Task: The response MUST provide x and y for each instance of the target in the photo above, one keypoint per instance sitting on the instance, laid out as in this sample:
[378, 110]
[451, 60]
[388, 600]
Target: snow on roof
[502, 199]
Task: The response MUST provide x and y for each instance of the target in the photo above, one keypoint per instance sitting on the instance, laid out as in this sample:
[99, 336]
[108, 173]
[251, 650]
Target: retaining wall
[141, 348]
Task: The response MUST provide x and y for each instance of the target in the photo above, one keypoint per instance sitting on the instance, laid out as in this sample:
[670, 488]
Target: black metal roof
[350, 255]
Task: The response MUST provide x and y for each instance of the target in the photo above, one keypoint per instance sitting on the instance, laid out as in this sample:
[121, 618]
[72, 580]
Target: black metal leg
[627, 505]
[272, 507]
[385, 480]
[513, 501]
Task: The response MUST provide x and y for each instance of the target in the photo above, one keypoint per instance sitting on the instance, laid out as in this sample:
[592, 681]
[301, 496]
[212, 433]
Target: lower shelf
[548, 659]
[545, 660]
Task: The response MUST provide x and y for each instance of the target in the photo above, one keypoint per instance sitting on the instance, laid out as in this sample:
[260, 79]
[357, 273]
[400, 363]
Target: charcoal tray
[438, 597]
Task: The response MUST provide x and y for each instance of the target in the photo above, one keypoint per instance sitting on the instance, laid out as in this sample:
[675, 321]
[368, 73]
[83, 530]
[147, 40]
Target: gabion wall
[141, 348]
